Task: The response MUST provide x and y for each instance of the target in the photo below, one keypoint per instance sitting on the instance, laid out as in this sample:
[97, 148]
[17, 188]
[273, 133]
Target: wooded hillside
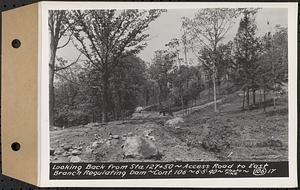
[107, 81]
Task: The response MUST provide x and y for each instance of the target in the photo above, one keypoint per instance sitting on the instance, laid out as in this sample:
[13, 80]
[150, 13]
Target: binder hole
[16, 43]
[15, 146]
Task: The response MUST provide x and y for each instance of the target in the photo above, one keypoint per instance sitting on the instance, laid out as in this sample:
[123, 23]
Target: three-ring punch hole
[15, 146]
[16, 43]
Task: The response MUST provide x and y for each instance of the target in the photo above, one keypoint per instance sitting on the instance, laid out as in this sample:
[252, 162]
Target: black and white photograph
[168, 85]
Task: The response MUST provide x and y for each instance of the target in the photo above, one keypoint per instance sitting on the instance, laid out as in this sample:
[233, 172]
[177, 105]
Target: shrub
[67, 118]
[218, 138]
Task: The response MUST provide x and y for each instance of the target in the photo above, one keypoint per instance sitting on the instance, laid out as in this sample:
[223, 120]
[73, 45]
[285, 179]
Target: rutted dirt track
[230, 134]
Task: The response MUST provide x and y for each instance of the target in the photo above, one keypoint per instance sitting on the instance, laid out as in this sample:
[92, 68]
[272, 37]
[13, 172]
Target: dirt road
[166, 138]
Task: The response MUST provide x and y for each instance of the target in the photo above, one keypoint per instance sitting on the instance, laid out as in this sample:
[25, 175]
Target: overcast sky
[168, 26]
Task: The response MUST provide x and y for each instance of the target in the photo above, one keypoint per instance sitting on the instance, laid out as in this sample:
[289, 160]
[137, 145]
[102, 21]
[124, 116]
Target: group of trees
[107, 80]
[252, 63]
[79, 95]
[260, 64]
[106, 38]
[176, 83]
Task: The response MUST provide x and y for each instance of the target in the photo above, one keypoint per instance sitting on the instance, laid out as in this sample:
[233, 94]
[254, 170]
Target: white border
[201, 182]
[40, 60]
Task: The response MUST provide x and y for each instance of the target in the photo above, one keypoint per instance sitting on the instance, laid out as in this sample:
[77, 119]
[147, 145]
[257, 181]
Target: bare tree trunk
[182, 104]
[215, 94]
[243, 99]
[248, 97]
[147, 97]
[260, 98]
[155, 96]
[105, 98]
[274, 99]
[115, 114]
[264, 92]
[253, 97]
[122, 114]
[209, 92]
[218, 93]
[215, 77]
[51, 85]
[159, 95]
[181, 97]
[55, 35]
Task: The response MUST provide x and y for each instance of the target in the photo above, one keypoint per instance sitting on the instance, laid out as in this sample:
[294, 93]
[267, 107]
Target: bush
[67, 118]
[218, 138]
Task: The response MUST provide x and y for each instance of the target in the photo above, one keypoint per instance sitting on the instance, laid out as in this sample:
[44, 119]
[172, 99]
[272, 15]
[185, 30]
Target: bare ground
[230, 134]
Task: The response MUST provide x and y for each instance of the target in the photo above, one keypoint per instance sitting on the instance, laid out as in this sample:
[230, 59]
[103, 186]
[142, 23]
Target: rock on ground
[67, 147]
[92, 124]
[89, 150]
[58, 152]
[115, 136]
[75, 159]
[140, 147]
[75, 152]
[66, 154]
[138, 109]
[174, 121]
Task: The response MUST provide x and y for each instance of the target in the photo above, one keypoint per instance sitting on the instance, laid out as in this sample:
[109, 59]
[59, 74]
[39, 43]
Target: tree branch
[61, 68]
[65, 43]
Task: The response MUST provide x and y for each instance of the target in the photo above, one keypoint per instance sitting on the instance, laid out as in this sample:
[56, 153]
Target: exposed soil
[230, 134]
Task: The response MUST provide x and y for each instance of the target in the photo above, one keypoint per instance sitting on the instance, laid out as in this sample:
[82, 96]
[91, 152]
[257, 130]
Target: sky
[168, 26]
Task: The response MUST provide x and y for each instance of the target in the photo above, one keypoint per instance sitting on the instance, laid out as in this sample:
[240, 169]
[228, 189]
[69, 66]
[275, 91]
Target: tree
[70, 105]
[180, 82]
[174, 48]
[160, 71]
[59, 25]
[247, 52]
[206, 30]
[106, 36]
[280, 56]
[128, 83]
[77, 94]
[180, 74]
[274, 62]
[223, 59]
[195, 86]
